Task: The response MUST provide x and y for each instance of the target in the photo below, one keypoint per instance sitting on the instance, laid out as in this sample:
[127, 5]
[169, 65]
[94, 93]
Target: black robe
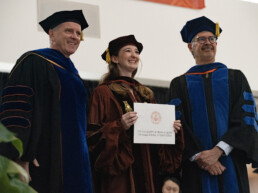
[32, 108]
[219, 101]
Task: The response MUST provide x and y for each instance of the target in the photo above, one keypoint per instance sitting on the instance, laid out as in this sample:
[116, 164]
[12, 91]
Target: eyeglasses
[202, 39]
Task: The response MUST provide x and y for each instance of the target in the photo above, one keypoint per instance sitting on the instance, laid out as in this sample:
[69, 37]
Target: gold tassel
[81, 36]
[128, 108]
[108, 58]
[217, 33]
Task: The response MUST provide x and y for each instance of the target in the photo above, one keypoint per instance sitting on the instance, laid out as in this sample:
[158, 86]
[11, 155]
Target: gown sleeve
[108, 142]
[171, 155]
[242, 131]
[18, 101]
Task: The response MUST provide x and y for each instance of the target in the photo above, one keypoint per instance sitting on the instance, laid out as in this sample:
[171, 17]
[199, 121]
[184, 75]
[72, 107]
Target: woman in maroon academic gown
[119, 165]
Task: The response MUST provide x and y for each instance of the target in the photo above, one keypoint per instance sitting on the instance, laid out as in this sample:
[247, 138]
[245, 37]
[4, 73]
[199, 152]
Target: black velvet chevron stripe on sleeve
[17, 90]
[16, 104]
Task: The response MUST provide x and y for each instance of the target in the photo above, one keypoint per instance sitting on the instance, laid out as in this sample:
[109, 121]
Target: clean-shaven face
[66, 38]
[128, 60]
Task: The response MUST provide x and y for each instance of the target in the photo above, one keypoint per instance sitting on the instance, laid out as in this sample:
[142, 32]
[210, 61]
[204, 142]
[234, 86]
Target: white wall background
[157, 26]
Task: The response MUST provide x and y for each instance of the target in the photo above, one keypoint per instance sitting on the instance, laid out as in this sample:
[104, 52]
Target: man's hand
[216, 169]
[25, 165]
[209, 157]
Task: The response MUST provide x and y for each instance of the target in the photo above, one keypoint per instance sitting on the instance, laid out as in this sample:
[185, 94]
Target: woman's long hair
[113, 72]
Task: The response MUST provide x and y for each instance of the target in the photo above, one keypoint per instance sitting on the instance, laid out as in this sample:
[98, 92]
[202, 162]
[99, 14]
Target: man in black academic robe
[219, 117]
[44, 104]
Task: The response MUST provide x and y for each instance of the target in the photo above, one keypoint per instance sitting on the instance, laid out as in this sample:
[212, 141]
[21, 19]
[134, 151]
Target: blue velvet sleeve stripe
[251, 121]
[17, 90]
[15, 106]
[176, 102]
[248, 96]
[178, 115]
[15, 121]
[248, 108]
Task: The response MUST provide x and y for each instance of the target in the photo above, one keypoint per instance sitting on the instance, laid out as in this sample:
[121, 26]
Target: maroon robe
[119, 165]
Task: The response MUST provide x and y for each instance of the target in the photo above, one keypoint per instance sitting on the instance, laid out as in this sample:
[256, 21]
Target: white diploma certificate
[154, 124]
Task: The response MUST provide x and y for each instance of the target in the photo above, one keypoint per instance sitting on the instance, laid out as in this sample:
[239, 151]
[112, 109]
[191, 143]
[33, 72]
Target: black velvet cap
[116, 44]
[64, 16]
[193, 27]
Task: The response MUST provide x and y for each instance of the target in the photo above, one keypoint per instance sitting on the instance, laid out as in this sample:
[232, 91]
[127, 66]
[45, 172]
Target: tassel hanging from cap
[108, 58]
[81, 36]
[217, 32]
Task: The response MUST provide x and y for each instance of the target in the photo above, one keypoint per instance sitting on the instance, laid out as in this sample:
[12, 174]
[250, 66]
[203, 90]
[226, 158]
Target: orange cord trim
[20, 86]
[59, 83]
[50, 61]
[14, 102]
[17, 95]
[19, 110]
[207, 72]
[17, 125]
[61, 150]
[39, 56]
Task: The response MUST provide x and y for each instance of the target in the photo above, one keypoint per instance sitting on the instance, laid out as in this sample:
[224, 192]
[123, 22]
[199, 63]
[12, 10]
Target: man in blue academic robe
[218, 114]
[44, 104]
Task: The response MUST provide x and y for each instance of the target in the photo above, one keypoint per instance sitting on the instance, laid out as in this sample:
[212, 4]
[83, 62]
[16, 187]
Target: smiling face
[203, 53]
[127, 60]
[65, 38]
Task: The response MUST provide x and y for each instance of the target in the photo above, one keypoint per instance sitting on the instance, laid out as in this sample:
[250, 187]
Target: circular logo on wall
[155, 117]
